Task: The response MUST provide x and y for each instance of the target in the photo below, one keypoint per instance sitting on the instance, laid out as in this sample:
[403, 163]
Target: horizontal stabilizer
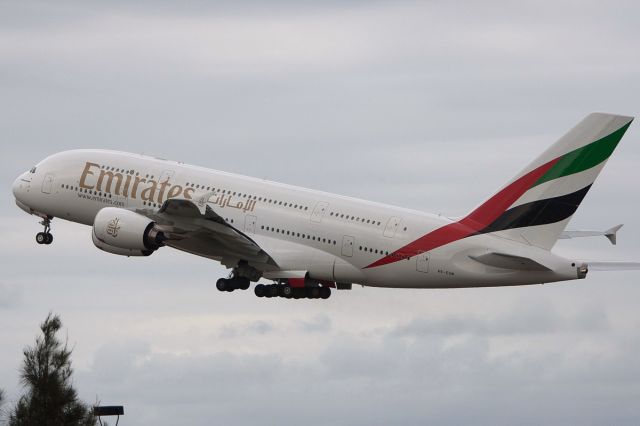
[613, 266]
[609, 233]
[509, 261]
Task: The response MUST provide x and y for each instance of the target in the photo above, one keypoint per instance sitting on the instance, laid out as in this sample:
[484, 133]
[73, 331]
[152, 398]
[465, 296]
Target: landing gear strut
[45, 237]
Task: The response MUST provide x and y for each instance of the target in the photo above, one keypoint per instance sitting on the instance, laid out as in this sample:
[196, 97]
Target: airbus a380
[307, 241]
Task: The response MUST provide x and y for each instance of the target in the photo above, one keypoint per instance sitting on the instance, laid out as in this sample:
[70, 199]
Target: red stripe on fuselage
[473, 222]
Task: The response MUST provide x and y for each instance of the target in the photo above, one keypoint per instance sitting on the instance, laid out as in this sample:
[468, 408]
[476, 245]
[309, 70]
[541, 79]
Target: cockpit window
[33, 169]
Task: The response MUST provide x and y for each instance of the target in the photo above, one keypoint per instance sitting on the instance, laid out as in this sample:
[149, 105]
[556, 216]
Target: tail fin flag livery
[536, 205]
[308, 241]
[572, 164]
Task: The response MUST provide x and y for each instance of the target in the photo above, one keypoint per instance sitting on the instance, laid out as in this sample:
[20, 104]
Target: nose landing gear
[45, 237]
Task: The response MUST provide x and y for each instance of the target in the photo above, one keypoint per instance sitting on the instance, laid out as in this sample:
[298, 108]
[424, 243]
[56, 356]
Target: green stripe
[584, 158]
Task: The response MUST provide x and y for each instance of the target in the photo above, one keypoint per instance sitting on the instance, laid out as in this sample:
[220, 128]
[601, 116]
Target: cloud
[10, 296]
[258, 327]
[318, 324]
[528, 319]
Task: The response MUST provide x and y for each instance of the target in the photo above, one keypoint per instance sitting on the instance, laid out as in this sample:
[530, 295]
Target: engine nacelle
[126, 233]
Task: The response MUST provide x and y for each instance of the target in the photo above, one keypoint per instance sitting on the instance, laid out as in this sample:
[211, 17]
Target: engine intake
[126, 233]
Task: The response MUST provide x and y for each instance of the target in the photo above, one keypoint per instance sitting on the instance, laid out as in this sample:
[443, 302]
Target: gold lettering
[86, 172]
[163, 187]
[134, 189]
[127, 181]
[149, 193]
[188, 193]
[174, 191]
[110, 176]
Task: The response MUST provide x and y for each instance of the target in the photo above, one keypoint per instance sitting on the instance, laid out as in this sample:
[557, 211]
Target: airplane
[307, 242]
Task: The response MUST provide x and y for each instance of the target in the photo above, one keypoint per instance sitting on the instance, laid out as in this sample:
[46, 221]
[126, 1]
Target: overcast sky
[427, 105]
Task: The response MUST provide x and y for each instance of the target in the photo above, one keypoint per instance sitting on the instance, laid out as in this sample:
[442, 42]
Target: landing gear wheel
[223, 285]
[299, 292]
[41, 238]
[313, 292]
[287, 291]
[325, 292]
[48, 238]
[272, 290]
[260, 290]
[242, 283]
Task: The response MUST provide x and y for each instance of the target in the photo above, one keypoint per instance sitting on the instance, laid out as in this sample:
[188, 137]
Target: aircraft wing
[610, 234]
[200, 230]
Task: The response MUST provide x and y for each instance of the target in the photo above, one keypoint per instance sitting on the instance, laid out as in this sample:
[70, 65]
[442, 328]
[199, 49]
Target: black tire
[325, 292]
[298, 293]
[313, 292]
[273, 290]
[222, 284]
[48, 238]
[260, 290]
[41, 238]
[286, 291]
[243, 283]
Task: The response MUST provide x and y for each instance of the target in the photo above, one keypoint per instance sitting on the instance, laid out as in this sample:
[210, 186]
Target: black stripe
[540, 212]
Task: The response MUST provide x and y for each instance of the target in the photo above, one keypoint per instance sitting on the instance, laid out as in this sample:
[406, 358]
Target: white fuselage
[330, 237]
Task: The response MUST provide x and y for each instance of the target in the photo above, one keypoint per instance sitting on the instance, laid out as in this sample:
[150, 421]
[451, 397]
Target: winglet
[611, 233]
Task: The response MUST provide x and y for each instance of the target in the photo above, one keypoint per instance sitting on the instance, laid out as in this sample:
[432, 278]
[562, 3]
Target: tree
[1, 402]
[49, 398]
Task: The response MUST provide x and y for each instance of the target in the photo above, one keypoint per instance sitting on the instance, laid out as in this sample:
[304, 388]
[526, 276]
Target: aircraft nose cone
[17, 188]
[20, 186]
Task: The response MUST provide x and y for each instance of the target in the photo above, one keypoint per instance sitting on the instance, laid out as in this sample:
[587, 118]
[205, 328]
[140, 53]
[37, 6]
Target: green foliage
[49, 398]
[1, 402]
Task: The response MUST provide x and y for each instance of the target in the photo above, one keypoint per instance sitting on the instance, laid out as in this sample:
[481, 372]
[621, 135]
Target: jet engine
[126, 233]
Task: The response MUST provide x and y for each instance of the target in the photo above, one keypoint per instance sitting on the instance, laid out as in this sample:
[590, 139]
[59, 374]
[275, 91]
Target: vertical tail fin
[536, 205]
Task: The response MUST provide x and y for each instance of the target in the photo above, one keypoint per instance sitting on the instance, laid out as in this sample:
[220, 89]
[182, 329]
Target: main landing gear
[273, 290]
[288, 292]
[243, 274]
[240, 278]
[45, 237]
